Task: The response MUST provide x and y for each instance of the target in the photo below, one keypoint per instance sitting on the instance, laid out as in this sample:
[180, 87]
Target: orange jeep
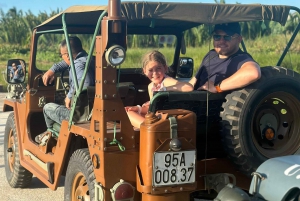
[191, 144]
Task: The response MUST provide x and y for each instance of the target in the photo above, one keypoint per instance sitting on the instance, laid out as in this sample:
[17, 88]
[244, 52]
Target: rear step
[48, 167]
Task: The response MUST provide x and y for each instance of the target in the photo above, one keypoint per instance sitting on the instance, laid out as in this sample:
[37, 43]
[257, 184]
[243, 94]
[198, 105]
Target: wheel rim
[11, 153]
[276, 113]
[80, 188]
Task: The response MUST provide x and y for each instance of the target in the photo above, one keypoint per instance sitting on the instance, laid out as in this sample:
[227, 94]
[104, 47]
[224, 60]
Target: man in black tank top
[226, 67]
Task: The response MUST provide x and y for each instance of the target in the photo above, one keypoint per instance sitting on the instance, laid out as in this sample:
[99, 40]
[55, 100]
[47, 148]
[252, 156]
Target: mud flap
[50, 167]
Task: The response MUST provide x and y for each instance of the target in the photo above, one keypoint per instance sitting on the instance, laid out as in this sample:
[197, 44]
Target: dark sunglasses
[218, 37]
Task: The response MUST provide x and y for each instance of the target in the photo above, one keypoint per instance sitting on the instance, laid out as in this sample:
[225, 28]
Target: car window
[48, 49]
[138, 45]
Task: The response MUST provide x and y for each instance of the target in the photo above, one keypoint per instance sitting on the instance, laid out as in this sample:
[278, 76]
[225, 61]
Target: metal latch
[42, 101]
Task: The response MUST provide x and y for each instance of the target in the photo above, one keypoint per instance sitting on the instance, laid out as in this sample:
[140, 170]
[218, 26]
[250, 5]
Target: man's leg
[52, 113]
[55, 113]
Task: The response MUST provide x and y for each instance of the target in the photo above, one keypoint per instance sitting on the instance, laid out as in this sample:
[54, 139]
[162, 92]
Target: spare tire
[261, 121]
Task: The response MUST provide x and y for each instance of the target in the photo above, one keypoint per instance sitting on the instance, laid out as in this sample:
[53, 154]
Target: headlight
[115, 55]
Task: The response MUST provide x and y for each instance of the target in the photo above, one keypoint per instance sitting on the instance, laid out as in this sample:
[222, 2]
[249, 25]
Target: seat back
[207, 107]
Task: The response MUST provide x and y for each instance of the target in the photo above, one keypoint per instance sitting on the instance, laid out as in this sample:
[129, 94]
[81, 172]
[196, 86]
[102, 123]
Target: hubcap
[80, 188]
[276, 115]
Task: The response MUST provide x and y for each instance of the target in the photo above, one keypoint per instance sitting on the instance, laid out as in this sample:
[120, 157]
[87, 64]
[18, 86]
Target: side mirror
[15, 71]
[186, 67]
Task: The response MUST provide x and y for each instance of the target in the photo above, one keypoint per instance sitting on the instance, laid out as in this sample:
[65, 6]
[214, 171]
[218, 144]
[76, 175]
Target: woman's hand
[136, 109]
[147, 104]
[132, 108]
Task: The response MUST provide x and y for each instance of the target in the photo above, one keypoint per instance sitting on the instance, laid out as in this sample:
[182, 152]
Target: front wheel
[80, 177]
[16, 175]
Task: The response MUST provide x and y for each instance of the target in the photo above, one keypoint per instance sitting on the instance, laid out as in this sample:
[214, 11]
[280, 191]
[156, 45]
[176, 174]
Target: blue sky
[49, 5]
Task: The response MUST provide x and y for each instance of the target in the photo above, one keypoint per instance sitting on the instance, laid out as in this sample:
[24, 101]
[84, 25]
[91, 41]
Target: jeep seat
[208, 116]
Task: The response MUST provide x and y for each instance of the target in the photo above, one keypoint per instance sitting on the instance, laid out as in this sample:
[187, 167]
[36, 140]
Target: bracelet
[219, 90]
[139, 109]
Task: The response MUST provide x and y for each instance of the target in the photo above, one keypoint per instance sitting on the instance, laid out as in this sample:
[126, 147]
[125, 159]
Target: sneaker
[42, 138]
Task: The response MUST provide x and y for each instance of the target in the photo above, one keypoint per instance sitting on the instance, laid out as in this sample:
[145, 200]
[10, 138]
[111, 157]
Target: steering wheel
[38, 77]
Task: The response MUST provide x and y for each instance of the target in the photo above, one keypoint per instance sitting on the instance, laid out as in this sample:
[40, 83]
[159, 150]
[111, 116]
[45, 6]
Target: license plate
[171, 168]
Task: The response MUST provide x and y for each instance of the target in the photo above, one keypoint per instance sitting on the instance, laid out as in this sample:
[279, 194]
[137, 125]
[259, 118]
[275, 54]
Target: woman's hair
[154, 55]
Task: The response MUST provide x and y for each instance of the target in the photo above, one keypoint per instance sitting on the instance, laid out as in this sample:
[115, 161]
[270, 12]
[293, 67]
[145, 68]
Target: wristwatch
[219, 90]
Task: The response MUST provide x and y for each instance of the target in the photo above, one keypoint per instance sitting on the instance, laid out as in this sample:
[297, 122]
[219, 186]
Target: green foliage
[293, 21]
[16, 27]
[265, 50]
[252, 30]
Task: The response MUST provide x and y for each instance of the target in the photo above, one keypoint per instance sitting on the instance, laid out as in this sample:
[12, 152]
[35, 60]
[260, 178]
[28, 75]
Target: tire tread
[20, 177]
[231, 114]
[80, 161]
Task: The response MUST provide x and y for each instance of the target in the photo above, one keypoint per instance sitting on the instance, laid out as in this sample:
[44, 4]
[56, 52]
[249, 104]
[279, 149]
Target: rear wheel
[260, 121]
[16, 175]
[80, 178]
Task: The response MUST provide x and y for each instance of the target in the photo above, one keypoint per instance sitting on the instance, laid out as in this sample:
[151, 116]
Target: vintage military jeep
[178, 153]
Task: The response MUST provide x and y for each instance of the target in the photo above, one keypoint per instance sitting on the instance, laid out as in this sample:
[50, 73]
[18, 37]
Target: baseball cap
[229, 28]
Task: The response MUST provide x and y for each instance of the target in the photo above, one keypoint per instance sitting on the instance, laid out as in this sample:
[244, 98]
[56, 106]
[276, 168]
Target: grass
[266, 51]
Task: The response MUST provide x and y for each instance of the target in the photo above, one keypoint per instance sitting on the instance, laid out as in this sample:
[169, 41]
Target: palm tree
[293, 21]
[13, 28]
